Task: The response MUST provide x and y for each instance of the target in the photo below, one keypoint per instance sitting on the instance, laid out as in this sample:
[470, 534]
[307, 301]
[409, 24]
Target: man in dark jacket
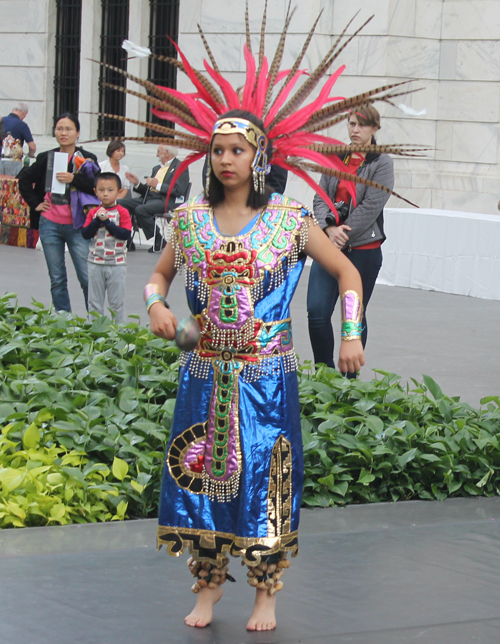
[143, 210]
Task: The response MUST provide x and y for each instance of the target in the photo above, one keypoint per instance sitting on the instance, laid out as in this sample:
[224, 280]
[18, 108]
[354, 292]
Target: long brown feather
[247, 29]
[337, 53]
[150, 87]
[156, 102]
[349, 103]
[299, 97]
[398, 149]
[161, 129]
[179, 143]
[202, 79]
[317, 126]
[208, 50]
[323, 125]
[300, 57]
[262, 44]
[278, 56]
[346, 176]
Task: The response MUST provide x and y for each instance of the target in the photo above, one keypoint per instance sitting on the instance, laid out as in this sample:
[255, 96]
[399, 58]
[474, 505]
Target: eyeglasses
[65, 129]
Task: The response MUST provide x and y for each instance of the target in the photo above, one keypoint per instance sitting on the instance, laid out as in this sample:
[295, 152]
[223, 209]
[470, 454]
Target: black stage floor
[423, 572]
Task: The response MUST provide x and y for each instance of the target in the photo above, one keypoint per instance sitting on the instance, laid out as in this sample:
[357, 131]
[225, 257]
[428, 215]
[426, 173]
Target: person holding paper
[154, 193]
[46, 186]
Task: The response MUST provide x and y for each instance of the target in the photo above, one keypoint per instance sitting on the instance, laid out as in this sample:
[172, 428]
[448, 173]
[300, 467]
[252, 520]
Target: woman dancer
[233, 479]
[53, 213]
[359, 236]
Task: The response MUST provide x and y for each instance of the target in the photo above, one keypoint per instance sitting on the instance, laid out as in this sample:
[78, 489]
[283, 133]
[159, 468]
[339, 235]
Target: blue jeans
[323, 293]
[53, 237]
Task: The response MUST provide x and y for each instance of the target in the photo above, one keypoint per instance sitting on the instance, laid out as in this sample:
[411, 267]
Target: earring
[207, 181]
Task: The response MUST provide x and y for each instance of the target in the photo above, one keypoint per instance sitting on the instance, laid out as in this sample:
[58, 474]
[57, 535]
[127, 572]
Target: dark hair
[114, 146]
[255, 200]
[109, 176]
[71, 117]
[367, 115]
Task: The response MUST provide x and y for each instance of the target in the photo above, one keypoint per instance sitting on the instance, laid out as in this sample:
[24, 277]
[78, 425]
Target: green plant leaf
[119, 468]
[433, 387]
[31, 436]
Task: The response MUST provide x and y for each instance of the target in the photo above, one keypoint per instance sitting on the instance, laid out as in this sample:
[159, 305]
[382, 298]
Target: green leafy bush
[98, 398]
[86, 409]
[376, 441]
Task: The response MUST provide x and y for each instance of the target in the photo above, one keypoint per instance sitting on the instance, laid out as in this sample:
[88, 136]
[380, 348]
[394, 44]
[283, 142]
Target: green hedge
[86, 410]
[376, 441]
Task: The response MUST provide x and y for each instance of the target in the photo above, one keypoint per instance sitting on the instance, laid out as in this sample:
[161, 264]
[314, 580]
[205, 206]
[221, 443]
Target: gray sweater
[367, 219]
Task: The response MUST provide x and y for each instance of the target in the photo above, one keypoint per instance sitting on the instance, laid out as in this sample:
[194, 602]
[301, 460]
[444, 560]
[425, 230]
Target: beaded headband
[257, 139]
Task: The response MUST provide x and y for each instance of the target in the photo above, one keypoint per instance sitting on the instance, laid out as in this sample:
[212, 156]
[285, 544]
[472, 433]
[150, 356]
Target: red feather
[299, 118]
[250, 80]
[282, 96]
[168, 116]
[261, 89]
[310, 182]
[230, 95]
[180, 169]
[332, 162]
[189, 71]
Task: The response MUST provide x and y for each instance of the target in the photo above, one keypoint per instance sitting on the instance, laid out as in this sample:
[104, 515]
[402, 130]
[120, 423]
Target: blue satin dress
[233, 474]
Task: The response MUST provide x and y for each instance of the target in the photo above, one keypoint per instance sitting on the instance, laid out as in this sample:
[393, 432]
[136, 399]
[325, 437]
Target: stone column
[137, 33]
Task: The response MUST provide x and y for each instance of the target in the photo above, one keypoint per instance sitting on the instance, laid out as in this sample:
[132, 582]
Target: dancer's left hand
[351, 356]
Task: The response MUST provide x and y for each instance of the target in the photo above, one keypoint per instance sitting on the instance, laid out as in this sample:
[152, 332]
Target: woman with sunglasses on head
[359, 234]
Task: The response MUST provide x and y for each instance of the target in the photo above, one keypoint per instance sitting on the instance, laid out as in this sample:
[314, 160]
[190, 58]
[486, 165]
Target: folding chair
[161, 221]
[135, 225]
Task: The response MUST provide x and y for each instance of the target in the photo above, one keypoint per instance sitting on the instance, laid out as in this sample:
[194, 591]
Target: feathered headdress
[292, 127]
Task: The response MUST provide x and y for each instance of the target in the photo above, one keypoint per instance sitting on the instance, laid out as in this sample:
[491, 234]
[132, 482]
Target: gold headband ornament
[256, 137]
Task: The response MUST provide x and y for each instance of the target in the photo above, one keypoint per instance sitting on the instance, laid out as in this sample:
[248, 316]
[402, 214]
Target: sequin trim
[279, 496]
[250, 549]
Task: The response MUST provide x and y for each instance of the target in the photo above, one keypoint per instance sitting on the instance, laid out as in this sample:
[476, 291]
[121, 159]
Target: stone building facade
[450, 48]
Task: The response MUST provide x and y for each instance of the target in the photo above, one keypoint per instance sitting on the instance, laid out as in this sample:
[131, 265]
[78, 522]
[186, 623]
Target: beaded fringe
[268, 366]
[252, 371]
[223, 491]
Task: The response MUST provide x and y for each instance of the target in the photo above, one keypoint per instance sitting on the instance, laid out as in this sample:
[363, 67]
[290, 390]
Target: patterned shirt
[105, 248]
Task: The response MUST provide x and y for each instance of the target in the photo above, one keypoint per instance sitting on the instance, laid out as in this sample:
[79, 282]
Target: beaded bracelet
[352, 314]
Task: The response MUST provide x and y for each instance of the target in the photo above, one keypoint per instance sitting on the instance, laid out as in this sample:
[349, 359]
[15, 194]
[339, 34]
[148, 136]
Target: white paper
[60, 165]
[409, 111]
[136, 50]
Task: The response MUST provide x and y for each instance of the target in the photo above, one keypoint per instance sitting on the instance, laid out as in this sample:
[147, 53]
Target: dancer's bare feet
[263, 617]
[201, 615]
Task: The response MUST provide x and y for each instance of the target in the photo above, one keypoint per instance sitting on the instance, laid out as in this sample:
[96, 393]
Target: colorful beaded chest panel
[231, 275]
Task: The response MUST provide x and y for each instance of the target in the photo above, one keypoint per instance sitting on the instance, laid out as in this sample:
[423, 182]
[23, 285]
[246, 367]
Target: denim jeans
[323, 293]
[53, 237]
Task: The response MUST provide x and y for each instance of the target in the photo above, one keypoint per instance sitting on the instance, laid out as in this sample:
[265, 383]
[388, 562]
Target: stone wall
[27, 59]
[451, 50]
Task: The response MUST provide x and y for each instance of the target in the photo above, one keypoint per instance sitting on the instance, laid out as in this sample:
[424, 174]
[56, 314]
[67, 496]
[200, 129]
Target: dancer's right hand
[163, 321]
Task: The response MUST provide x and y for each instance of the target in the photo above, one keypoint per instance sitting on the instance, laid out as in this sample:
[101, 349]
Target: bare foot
[263, 617]
[201, 615]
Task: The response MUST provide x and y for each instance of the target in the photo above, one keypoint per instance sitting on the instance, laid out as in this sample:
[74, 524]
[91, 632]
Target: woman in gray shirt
[359, 234]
